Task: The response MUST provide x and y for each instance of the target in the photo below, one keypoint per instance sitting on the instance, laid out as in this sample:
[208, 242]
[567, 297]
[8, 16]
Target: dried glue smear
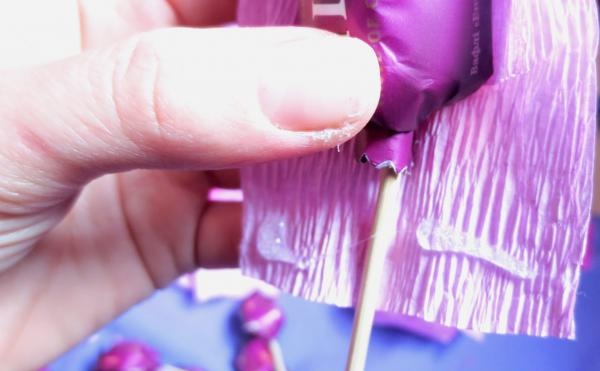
[274, 246]
[446, 239]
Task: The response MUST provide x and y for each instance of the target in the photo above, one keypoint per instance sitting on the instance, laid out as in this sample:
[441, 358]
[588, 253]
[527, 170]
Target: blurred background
[189, 331]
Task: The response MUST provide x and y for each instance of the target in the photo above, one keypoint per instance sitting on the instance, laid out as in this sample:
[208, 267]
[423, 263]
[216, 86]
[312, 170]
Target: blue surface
[316, 338]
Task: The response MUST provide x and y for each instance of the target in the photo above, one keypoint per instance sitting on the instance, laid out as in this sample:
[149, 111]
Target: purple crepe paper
[494, 213]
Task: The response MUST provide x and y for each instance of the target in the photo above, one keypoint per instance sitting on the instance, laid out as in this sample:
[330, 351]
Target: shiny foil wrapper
[431, 53]
[492, 217]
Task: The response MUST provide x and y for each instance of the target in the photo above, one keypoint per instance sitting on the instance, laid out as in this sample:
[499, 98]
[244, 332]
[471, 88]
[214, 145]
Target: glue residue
[434, 237]
[273, 245]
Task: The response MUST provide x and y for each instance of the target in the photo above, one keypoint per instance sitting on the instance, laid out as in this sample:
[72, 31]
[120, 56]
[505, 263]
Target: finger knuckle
[136, 92]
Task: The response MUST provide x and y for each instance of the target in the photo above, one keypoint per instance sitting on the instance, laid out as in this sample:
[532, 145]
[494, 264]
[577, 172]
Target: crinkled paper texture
[493, 213]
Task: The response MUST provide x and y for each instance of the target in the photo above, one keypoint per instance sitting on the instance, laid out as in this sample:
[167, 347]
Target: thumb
[187, 98]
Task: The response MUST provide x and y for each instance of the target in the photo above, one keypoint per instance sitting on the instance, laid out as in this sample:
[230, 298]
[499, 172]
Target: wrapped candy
[494, 211]
[135, 356]
[261, 316]
[127, 356]
[431, 53]
[255, 356]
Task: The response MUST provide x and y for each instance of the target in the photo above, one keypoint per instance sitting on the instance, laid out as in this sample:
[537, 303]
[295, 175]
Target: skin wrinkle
[132, 235]
[34, 144]
[95, 255]
[101, 130]
[12, 205]
[28, 308]
[94, 126]
[188, 258]
[166, 133]
[22, 319]
[121, 120]
[156, 111]
[145, 58]
[72, 241]
[79, 256]
[86, 242]
[142, 56]
[37, 228]
[8, 207]
[68, 254]
[73, 155]
[181, 256]
[53, 147]
[38, 192]
[31, 146]
[196, 249]
[183, 247]
[119, 300]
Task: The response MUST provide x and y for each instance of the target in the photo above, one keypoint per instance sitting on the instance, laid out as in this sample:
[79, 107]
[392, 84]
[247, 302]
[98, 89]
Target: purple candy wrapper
[494, 213]
[255, 356]
[129, 355]
[430, 53]
[261, 316]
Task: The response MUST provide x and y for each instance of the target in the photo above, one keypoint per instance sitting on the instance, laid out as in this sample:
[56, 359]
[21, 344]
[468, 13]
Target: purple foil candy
[493, 216]
[431, 53]
[128, 356]
[255, 356]
[261, 316]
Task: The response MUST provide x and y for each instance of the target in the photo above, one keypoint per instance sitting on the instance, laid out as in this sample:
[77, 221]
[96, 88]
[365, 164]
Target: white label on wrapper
[330, 9]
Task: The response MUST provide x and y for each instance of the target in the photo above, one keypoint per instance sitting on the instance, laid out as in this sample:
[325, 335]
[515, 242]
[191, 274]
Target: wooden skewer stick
[384, 231]
[277, 355]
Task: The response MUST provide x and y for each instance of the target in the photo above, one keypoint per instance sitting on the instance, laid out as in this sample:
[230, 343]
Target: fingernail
[320, 83]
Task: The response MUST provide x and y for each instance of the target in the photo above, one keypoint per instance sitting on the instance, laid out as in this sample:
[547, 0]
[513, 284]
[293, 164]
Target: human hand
[78, 246]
